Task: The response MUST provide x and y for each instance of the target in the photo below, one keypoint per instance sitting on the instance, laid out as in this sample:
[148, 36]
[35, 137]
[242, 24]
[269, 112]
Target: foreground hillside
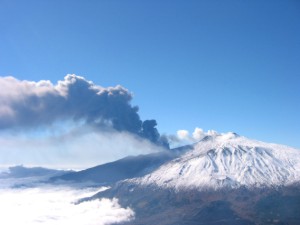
[240, 206]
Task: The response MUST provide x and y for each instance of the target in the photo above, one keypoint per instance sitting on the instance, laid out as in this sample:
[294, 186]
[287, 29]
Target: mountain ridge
[228, 160]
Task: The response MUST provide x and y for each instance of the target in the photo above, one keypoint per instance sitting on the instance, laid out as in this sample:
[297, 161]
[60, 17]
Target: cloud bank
[28, 105]
[55, 206]
[78, 148]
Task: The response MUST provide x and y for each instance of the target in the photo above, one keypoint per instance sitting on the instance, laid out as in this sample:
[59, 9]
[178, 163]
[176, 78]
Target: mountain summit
[228, 160]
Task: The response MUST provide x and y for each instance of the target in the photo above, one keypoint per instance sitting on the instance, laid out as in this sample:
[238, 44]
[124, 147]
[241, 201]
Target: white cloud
[212, 133]
[183, 134]
[198, 133]
[13, 89]
[55, 206]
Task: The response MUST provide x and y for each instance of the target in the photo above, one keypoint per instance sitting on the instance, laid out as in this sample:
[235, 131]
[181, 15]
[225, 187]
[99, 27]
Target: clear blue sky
[225, 65]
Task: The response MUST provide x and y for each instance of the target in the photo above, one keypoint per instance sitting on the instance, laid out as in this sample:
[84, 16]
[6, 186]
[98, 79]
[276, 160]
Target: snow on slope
[228, 160]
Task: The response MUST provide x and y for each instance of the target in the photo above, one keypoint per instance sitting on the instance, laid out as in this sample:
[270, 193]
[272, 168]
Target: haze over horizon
[144, 71]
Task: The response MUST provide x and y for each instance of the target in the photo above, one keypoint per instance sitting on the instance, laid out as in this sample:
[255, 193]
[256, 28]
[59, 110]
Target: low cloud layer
[78, 148]
[28, 104]
[56, 206]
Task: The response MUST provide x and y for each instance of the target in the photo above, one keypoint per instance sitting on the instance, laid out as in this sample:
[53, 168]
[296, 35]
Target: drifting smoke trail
[28, 104]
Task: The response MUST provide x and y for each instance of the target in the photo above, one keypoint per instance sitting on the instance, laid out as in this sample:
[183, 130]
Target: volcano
[228, 160]
[222, 179]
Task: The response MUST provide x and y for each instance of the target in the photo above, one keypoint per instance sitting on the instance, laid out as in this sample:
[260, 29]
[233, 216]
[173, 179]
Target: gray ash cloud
[28, 104]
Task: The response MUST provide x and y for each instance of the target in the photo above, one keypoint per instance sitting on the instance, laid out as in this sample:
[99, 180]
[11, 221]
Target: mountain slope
[128, 167]
[23, 172]
[228, 160]
[240, 206]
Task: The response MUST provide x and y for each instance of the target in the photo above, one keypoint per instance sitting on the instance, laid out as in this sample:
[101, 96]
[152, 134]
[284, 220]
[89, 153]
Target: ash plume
[28, 104]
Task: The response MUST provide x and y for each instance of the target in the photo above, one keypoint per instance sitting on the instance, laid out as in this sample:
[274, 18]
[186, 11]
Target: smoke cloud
[27, 104]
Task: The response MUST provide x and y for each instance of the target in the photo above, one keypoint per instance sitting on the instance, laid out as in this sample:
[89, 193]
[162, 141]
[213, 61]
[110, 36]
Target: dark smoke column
[150, 132]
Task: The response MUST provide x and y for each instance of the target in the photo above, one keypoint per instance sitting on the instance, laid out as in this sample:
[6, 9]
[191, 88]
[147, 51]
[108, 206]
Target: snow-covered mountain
[223, 179]
[228, 160]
